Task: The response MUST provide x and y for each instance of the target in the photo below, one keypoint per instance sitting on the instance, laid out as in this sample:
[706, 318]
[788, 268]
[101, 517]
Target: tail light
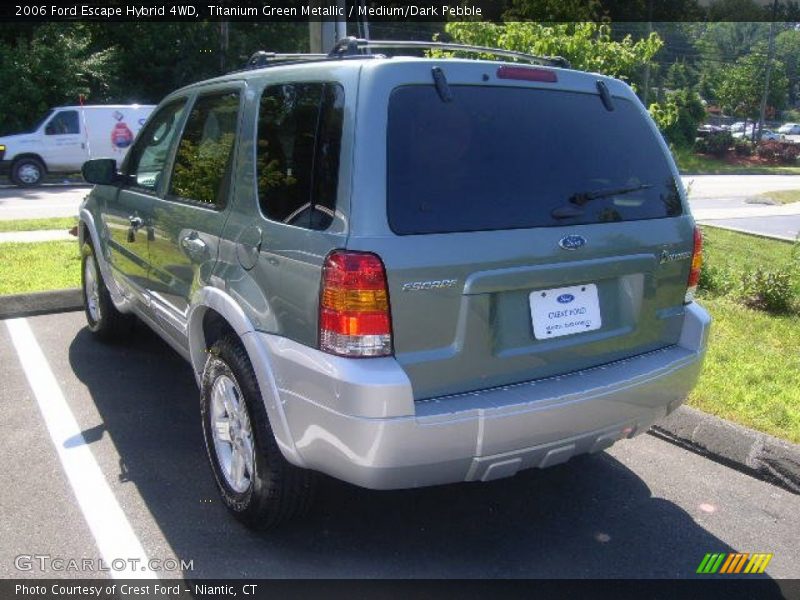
[354, 317]
[697, 263]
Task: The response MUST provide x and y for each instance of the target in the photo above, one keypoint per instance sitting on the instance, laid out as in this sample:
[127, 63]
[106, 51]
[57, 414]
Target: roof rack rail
[264, 59]
[351, 46]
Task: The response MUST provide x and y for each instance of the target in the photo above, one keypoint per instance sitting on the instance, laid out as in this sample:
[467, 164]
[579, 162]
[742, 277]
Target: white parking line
[111, 530]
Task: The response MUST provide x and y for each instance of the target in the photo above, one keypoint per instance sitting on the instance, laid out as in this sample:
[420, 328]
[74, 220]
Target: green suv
[401, 271]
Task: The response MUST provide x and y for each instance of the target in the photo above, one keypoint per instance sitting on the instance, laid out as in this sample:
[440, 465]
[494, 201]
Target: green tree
[48, 66]
[593, 10]
[588, 46]
[728, 11]
[680, 76]
[787, 49]
[153, 59]
[722, 43]
[45, 65]
[742, 86]
[679, 115]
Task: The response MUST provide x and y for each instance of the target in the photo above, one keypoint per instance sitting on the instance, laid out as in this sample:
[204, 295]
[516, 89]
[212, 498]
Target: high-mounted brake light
[354, 318]
[527, 74]
[697, 263]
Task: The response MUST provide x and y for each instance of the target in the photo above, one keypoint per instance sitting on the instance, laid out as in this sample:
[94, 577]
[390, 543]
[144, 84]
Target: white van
[68, 136]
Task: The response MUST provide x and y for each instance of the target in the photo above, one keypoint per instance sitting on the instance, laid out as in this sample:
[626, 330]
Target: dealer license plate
[565, 311]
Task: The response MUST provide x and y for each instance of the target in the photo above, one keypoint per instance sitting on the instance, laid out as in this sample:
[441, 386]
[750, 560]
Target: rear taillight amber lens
[354, 318]
[697, 264]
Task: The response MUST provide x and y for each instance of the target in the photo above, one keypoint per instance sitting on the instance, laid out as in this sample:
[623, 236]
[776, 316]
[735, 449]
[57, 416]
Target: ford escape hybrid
[401, 271]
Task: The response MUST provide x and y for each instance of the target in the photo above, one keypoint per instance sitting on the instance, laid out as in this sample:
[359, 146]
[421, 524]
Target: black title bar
[394, 11]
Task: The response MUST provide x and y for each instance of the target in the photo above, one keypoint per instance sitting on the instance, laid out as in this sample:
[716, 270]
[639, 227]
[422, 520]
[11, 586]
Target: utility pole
[324, 34]
[770, 55]
[223, 44]
[646, 93]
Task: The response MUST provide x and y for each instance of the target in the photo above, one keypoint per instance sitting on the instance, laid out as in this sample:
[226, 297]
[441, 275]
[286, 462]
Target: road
[703, 187]
[645, 508]
[41, 202]
[783, 227]
[733, 202]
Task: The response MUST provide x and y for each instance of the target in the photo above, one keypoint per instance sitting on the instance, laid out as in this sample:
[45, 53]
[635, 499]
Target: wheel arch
[213, 313]
[33, 155]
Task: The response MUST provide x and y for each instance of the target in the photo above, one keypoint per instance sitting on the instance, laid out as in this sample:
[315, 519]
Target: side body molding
[215, 299]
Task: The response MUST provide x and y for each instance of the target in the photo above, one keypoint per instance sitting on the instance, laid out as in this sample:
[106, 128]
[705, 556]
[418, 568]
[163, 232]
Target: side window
[65, 122]
[203, 161]
[148, 157]
[297, 162]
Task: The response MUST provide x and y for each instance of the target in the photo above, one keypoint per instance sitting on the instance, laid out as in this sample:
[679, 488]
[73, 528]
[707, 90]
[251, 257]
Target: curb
[757, 454]
[40, 303]
[766, 236]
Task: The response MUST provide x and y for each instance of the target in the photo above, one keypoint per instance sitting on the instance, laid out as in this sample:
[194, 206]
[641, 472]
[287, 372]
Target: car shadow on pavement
[592, 517]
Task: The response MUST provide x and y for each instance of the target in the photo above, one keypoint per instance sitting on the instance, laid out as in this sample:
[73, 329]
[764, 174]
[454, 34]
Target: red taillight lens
[354, 315]
[697, 264]
[527, 74]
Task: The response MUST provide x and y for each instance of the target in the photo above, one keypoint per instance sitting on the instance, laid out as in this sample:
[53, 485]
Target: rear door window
[506, 158]
[297, 157]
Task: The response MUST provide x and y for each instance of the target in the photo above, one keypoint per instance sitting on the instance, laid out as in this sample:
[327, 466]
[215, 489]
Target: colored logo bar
[733, 563]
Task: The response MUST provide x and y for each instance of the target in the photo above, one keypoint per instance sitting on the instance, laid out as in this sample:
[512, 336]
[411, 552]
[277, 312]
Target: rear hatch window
[499, 158]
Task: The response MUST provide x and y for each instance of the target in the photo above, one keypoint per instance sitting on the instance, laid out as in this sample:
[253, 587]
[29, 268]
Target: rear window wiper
[574, 208]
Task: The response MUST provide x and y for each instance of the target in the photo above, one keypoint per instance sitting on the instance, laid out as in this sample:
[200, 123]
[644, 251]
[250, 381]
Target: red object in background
[121, 136]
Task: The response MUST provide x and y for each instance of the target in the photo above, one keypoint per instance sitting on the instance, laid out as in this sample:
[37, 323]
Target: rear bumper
[356, 419]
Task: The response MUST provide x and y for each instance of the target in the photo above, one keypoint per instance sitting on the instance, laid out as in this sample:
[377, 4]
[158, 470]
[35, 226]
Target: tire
[27, 172]
[267, 491]
[102, 317]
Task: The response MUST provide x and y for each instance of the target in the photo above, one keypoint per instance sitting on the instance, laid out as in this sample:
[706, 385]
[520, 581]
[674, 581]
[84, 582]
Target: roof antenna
[441, 84]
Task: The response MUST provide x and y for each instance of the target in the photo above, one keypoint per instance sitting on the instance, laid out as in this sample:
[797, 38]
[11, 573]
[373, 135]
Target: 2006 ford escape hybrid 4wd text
[401, 271]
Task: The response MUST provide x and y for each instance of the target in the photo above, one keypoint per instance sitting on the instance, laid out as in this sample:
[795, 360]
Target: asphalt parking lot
[646, 508]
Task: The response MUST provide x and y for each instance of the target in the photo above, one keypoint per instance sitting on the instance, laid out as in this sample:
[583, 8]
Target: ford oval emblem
[572, 242]
[565, 298]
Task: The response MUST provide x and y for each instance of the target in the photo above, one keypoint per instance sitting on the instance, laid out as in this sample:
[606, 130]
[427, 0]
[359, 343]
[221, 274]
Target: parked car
[397, 272]
[68, 136]
[789, 129]
[706, 130]
[767, 135]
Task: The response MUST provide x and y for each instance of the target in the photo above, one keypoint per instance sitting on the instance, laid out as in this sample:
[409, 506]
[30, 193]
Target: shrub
[716, 144]
[783, 153]
[792, 115]
[768, 290]
[715, 280]
[688, 113]
[743, 148]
